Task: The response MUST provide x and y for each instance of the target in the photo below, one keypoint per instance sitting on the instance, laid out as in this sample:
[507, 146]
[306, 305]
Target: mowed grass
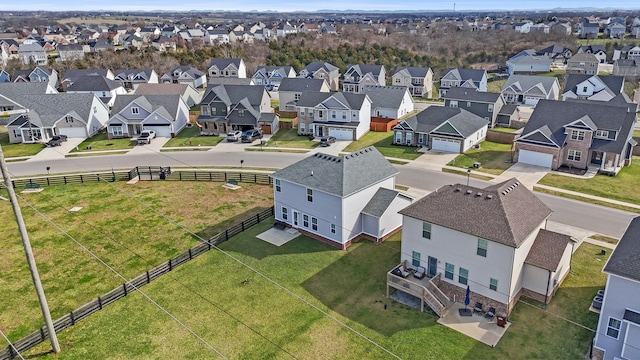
[124, 233]
[496, 86]
[17, 150]
[324, 296]
[494, 158]
[102, 142]
[623, 187]
[383, 141]
[290, 139]
[190, 136]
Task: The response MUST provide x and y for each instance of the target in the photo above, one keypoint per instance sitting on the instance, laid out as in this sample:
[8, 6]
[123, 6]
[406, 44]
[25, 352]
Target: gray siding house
[484, 104]
[290, 90]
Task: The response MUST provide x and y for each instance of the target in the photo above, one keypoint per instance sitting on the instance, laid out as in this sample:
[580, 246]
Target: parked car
[234, 135]
[146, 136]
[327, 140]
[251, 135]
[60, 138]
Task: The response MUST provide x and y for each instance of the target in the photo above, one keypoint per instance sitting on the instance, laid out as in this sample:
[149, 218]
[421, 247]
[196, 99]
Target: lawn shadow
[212, 230]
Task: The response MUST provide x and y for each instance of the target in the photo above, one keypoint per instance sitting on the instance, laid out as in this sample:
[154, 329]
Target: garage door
[445, 145]
[161, 130]
[535, 158]
[341, 134]
[73, 132]
[531, 101]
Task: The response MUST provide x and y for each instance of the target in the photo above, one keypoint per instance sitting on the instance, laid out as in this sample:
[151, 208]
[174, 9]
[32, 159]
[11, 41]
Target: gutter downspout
[546, 294]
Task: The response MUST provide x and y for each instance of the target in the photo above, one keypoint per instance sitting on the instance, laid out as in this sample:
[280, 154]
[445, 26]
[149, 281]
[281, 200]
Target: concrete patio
[279, 237]
[476, 326]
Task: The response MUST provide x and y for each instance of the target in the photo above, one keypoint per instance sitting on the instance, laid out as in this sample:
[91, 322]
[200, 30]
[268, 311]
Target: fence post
[225, 176]
[190, 256]
[42, 334]
[81, 179]
[258, 217]
[99, 303]
[226, 234]
[124, 286]
[148, 277]
[170, 266]
[73, 319]
[255, 178]
[180, 172]
[65, 180]
[210, 176]
[48, 184]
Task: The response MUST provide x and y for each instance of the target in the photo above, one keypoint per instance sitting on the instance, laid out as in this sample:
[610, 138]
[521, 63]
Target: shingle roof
[230, 81]
[389, 97]
[547, 250]
[13, 89]
[222, 63]
[506, 213]
[161, 89]
[131, 73]
[584, 57]
[467, 94]
[417, 72]
[93, 82]
[301, 84]
[508, 109]
[74, 74]
[522, 83]
[625, 259]
[465, 74]
[314, 98]
[340, 176]
[380, 202]
[46, 110]
[317, 65]
[613, 82]
[364, 69]
[530, 59]
[432, 117]
[166, 104]
[233, 94]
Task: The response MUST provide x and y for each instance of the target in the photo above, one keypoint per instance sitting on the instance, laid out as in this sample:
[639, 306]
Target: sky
[310, 5]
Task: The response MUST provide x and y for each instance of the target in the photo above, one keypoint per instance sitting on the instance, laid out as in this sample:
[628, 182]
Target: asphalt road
[586, 216]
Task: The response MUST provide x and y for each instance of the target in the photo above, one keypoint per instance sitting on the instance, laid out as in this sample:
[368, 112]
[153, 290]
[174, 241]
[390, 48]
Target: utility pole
[29, 253]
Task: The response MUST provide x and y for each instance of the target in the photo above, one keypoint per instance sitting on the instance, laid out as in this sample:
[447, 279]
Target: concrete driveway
[528, 175]
[155, 146]
[58, 152]
[434, 160]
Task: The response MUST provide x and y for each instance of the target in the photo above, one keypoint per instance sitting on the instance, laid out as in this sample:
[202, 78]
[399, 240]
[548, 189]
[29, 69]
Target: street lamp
[241, 162]
[48, 168]
[468, 174]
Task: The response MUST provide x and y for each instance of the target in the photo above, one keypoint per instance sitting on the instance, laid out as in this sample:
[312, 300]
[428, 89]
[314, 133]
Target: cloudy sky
[309, 5]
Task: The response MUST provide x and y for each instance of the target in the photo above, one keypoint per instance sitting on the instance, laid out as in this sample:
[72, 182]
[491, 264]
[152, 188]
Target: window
[241, 112]
[602, 133]
[482, 247]
[333, 114]
[584, 89]
[426, 230]
[320, 114]
[305, 220]
[468, 103]
[311, 112]
[448, 271]
[296, 96]
[285, 213]
[278, 187]
[415, 259]
[574, 155]
[333, 228]
[397, 80]
[314, 223]
[577, 135]
[213, 111]
[490, 108]
[344, 115]
[301, 111]
[310, 195]
[301, 127]
[204, 110]
[613, 328]
[135, 110]
[493, 284]
[116, 130]
[453, 104]
[464, 276]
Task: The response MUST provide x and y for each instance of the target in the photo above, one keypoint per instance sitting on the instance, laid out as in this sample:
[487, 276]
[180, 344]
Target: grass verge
[607, 239]
[290, 139]
[185, 149]
[464, 173]
[190, 136]
[494, 158]
[585, 199]
[102, 142]
[277, 150]
[17, 150]
[106, 153]
[383, 141]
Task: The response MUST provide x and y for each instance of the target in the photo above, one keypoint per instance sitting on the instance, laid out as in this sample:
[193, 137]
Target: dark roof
[466, 74]
[613, 82]
[301, 84]
[417, 72]
[93, 82]
[340, 176]
[432, 117]
[162, 89]
[317, 65]
[74, 74]
[467, 94]
[625, 259]
[13, 89]
[547, 250]
[506, 213]
[230, 81]
[341, 100]
[380, 202]
[167, 105]
[364, 69]
[233, 94]
[222, 63]
[631, 316]
[386, 96]
[508, 109]
[46, 110]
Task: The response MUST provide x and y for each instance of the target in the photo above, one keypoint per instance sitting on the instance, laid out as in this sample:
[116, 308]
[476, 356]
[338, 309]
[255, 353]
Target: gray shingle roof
[340, 176]
[301, 84]
[613, 82]
[11, 90]
[467, 94]
[417, 72]
[547, 249]
[230, 81]
[74, 74]
[161, 89]
[93, 82]
[522, 83]
[506, 213]
[46, 110]
[364, 69]
[131, 73]
[317, 65]
[625, 259]
[432, 117]
[390, 97]
[380, 202]
[314, 98]
[222, 63]
[165, 104]
[233, 94]
[466, 74]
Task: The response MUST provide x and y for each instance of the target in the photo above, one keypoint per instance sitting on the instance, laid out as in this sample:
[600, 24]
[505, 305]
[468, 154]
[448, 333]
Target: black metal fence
[123, 290]
[71, 179]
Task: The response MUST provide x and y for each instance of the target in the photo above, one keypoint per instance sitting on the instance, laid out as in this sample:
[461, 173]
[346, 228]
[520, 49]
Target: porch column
[604, 160]
[617, 162]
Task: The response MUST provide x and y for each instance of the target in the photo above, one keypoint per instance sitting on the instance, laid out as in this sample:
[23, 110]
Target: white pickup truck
[146, 136]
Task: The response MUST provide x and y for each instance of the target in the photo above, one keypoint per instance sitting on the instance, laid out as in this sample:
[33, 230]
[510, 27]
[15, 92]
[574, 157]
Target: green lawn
[125, 234]
[102, 142]
[290, 139]
[623, 187]
[504, 129]
[245, 316]
[190, 136]
[496, 86]
[383, 141]
[494, 158]
[16, 150]
[636, 133]
[275, 104]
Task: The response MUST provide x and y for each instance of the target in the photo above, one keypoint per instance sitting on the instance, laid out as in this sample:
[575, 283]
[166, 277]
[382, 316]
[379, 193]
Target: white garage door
[341, 134]
[531, 101]
[445, 145]
[161, 130]
[73, 132]
[535, 158]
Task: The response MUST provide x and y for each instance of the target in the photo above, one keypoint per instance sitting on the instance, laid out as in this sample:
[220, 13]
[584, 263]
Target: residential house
[163, 43]
[583, 63]
[558, 54]
[4, 57]
[345, 116]
[234, 107]
[328, 28]
[5, 77]
[32, 53]
[627, 52]
[38, 74]
[231, 81]
[105, 89]
[11, 46]
[441, 129]
[291, 90]
[13, 89]
[578, 134]
[523, 27]
[618, 332]
[328, 198]
[529, 89]
[487, 105]
[626, 67]
[72, 75]
[71, 52]
[223, 67]
[469, 78]
[357, 77]
[508, 114]
[73, 115]
[285, 29]
[271, 76]
[322, 70]
[615, 30]
[218, 36]
[418, 80]
[391, 102]
[593, 87]
[100, 46]
[188, 93]
[131, 78]
[265, 34]
[489, 240]
[598, 50]
[589, 28]
[529, 64]
[167, 115]
[186, 75]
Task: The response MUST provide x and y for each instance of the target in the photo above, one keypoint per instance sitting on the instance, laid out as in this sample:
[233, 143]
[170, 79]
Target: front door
[433, 266]
[596, 157]
[296, 217]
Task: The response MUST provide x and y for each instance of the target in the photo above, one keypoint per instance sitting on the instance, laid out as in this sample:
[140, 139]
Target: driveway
[434, 160]
[528, 175]
[58, 152]
[155, 146]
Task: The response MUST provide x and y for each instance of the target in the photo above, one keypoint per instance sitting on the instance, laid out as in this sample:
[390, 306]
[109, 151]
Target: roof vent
[478, 194]
[468, 192]
[311, 172]
[489, 196]
[456, 190]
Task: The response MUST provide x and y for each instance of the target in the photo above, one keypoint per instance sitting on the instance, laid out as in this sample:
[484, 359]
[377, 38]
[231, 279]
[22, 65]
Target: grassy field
[623, 187]
[190, 136]
[249, 317]
[496, 86]
[102, 142]
[126, 235]
[290, 139]
[494, 158]
[16, 150]
[383, 141]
